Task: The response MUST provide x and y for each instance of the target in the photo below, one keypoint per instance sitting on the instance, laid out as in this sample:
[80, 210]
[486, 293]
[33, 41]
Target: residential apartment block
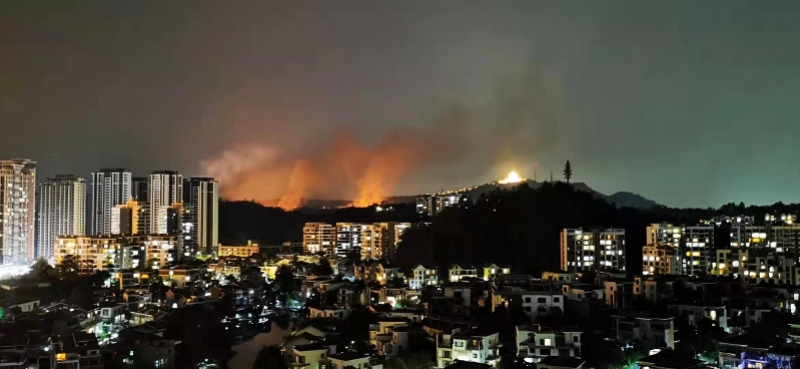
[91, 252]
[165, 190]
[17, 210]
[319, 237]
[757, 253]
[674, 249]
[61, 202]
[350, 237]
[110, 187]
[597, 249]
[200, 222]
[660, 259]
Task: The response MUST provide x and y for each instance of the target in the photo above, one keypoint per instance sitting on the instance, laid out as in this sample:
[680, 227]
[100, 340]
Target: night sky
[689, 103]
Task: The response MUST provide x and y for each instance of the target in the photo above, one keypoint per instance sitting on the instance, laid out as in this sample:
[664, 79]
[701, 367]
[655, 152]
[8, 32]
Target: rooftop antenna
[551, 175]
[535, 167]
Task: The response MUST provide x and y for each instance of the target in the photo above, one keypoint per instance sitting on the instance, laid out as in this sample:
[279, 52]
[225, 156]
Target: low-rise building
[478, 346]
[423, 276]
[654, 332]
[179, 276]
[460, 302]
[328, 312]
[490, 270]
[560, 277]
[695, 313]
[536, 342]
[243, 251]
[618, 293]
[346, 360]
[582, 292]
[24, 304]
[534, 302]
[314, 356]
[456, 273]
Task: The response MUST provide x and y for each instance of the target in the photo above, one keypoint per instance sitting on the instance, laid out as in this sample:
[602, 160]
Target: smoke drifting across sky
[347, 169]
[673, 100]
[526, 111]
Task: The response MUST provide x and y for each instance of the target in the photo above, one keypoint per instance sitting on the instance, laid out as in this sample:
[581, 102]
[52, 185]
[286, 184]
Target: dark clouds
[689, 103]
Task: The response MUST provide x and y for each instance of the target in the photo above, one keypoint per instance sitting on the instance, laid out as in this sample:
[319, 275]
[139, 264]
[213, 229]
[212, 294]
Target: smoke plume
[349, 168]
[527, 120]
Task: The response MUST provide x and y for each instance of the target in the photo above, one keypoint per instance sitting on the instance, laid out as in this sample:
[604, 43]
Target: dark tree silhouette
[519, 226]
[323, 268]
[269, 358]
[68, 267]
[284, 283]
[567, 171]
[41, 270]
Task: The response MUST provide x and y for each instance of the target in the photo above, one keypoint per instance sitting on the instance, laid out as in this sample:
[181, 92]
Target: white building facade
[319, 237]
[17, 210]
[165, 189]
[61, 205]
[423, 277]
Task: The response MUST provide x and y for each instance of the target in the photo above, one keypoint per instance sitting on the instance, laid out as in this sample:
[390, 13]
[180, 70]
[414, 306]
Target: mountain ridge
[620, 198]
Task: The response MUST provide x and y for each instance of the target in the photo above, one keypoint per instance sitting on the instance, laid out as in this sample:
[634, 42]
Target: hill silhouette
[516, 225]
[520, 226]
[620, 199]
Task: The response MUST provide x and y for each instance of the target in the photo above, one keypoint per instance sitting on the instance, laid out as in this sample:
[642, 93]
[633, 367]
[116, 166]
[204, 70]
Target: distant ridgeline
[510, 224]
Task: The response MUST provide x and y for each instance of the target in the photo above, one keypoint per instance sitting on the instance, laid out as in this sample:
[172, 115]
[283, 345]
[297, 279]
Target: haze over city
[687, 103]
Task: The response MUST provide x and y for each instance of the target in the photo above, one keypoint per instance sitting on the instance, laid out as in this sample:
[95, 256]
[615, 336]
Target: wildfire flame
[512, 177]
[346, 167]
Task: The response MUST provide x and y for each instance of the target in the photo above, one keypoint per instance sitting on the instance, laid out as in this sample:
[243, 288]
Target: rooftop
[670, 359]
[347, 356]
[311, 347]
[478, 332]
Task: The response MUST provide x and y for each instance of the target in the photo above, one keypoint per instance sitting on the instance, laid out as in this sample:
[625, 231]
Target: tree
[68, 266]
[98, 278]
[419, 360]
[405, 304]
[323, 268]
[284, 283]
[395, 362]
[201, 333]
[567, 171]
[41, 269]
[415, 360]
[16, 311]
[356, 326]
[588, 277]
[269, 358]
[627, 357]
